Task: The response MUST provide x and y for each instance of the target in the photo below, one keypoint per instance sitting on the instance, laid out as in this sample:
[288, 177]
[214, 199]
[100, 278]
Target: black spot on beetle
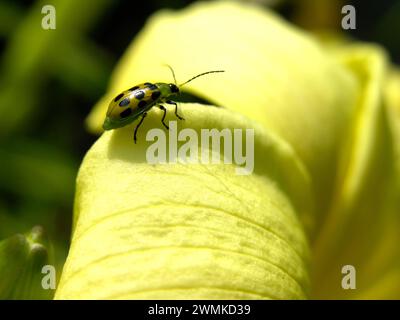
[139, 94]
[147, 83]
[124, 102]
[142, 104]
[134, 88]
[118, 97]
[155, 95]
[126, 113]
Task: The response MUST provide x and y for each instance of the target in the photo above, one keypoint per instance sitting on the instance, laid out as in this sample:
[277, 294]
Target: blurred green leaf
[22, 258]
[83, 67]
[10, 13]
[37, 170]
[21, 71]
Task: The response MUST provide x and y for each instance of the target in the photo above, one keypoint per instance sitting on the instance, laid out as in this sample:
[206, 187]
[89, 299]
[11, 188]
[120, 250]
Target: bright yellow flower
[325, 188]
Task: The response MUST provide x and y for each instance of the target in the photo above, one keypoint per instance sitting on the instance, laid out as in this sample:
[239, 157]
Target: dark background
[47, 90]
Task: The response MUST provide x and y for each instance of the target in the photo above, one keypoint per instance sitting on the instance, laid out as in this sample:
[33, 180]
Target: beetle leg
[138, 125]
[165, 113]
[176, 109]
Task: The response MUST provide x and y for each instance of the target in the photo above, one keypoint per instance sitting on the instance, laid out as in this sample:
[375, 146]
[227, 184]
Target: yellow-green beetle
[136, 101]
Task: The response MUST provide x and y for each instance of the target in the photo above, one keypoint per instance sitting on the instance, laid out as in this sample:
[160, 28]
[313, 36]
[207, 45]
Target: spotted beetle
[138, 100]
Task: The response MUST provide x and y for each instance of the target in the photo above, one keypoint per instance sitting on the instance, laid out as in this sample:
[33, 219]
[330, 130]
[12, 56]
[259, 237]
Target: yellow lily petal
[362, 226]
[323, 142]
[276, 75]
[385, 274]
[179, 231]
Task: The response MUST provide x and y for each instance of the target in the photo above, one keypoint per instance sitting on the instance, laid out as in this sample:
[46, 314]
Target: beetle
[135, 102]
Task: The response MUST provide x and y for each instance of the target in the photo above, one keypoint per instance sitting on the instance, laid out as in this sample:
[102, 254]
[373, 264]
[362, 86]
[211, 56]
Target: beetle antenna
[173, 73]
[199, 75]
